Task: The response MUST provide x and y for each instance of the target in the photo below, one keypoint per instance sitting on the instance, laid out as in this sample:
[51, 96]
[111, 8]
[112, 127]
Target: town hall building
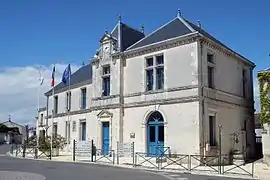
[176, 87]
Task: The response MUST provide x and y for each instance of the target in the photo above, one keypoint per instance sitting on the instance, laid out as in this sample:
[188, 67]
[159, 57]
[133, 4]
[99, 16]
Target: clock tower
[107, 46]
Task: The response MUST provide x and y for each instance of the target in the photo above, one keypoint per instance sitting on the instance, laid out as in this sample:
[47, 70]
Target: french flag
[53, 74]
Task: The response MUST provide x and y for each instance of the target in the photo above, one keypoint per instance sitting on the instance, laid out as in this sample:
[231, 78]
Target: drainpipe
[121, 98]
[201, 95]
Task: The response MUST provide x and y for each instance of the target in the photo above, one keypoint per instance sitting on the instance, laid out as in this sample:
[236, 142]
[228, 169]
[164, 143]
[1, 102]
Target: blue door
[83, 130]
[155, 134]
[105, 138]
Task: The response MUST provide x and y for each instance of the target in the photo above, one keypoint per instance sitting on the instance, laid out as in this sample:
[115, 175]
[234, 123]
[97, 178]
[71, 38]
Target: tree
[264, 87]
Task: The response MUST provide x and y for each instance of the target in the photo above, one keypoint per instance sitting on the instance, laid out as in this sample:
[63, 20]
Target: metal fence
[188, 163]
[25, 150]
[87, 151]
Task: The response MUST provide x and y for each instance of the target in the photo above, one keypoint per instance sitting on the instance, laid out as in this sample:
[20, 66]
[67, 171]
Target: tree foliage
[264, 88]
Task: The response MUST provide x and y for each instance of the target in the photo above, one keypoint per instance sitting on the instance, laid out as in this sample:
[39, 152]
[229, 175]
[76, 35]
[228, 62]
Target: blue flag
[66, 75]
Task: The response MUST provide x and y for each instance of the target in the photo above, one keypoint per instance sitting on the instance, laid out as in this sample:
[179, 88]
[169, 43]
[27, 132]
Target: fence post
[117, 152]
[11, 149]
[16, 150]
[252, 171]
[92, 150]
[133, 153]
[50, 153]
[24, 149]
[73, 150]
[220, 150]
[189, 162]
[113, 153]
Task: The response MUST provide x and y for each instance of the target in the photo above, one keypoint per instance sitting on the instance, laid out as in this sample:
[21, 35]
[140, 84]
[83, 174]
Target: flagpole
[52, 120]
[69, 105]
[40, 83]
[52, 112]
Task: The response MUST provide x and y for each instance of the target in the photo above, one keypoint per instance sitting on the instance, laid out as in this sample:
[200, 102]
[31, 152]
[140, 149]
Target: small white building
[13, 136]
[172, 88]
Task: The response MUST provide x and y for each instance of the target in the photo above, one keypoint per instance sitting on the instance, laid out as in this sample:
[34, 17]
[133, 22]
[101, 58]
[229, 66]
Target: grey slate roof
[84, 74]
[174, 28]
[129, 35]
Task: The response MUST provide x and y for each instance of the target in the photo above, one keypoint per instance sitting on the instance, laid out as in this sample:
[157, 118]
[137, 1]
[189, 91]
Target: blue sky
[67, 31]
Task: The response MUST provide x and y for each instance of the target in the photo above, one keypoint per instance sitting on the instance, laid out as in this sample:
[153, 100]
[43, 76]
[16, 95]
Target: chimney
[142, 29]
[199, 24]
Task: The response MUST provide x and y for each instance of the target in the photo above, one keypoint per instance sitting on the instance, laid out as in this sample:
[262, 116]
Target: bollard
[133, 153]
[74, 151]
[93, 151]
[11, 150]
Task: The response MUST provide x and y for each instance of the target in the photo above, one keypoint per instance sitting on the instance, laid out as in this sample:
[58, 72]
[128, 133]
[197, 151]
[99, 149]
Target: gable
[104, 114]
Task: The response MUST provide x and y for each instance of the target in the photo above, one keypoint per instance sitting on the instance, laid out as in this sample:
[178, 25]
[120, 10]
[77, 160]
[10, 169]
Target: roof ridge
[185, 22]
[152, 32]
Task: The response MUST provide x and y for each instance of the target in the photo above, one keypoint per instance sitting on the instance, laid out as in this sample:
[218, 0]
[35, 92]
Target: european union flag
[66, 75]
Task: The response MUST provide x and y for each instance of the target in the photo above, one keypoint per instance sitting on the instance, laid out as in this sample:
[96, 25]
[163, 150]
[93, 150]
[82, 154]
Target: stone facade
[185, 101]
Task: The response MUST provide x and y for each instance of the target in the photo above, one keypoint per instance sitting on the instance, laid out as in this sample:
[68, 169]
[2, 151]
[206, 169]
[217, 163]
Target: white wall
[181, 126]
[75, 99]
[93, 126]
[227, 98]
[180, 69]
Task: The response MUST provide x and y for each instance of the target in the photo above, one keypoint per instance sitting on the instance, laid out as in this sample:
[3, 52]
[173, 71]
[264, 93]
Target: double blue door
[105, 138]
[155, 140]
[155, 135]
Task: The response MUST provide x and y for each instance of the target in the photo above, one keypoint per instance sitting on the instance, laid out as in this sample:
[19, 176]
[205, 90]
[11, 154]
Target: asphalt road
[23, 169]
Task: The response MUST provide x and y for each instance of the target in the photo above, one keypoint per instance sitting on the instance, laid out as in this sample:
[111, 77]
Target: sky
[36, 34]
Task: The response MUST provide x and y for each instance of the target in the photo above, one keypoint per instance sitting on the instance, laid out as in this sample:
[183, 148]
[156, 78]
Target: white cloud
[19, 90]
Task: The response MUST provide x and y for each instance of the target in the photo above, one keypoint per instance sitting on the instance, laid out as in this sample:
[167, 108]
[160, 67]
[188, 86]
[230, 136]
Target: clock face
[106, 48]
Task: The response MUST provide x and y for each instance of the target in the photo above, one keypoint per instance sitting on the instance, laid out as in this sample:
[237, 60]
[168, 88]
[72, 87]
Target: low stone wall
[266, 143]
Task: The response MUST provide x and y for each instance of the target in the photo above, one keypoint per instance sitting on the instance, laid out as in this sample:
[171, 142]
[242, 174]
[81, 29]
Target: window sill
[154, 91]
[105, 97]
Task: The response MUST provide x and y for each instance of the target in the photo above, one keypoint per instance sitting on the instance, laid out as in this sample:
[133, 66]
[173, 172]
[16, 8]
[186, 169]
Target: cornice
[181, 88]
[171, 43]
[131, 105]
[74, 86]
[224, 50]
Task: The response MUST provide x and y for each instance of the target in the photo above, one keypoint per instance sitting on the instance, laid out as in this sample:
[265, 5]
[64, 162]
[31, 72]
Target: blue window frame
[150, 79]
[83, 100]
[212, 131]
[155, 73]
[106, 81]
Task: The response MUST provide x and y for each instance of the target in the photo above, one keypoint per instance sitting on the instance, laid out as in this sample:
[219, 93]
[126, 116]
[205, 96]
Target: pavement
[11, 168]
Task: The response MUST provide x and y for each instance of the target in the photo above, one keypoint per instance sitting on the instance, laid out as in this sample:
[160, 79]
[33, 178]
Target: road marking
[2, 155]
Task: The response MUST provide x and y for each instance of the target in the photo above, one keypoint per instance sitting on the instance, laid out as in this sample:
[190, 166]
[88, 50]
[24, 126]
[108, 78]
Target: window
[210, 58]
[155, 73]
[106, 81]
[55, 108]
[67, 132]
[210, 77]
[210, 70]
[83, 98]
[41, 119]
[83, 130]
[54, 129]
[212, 130]
[244, 83]
[74, 126]
[68, 101]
